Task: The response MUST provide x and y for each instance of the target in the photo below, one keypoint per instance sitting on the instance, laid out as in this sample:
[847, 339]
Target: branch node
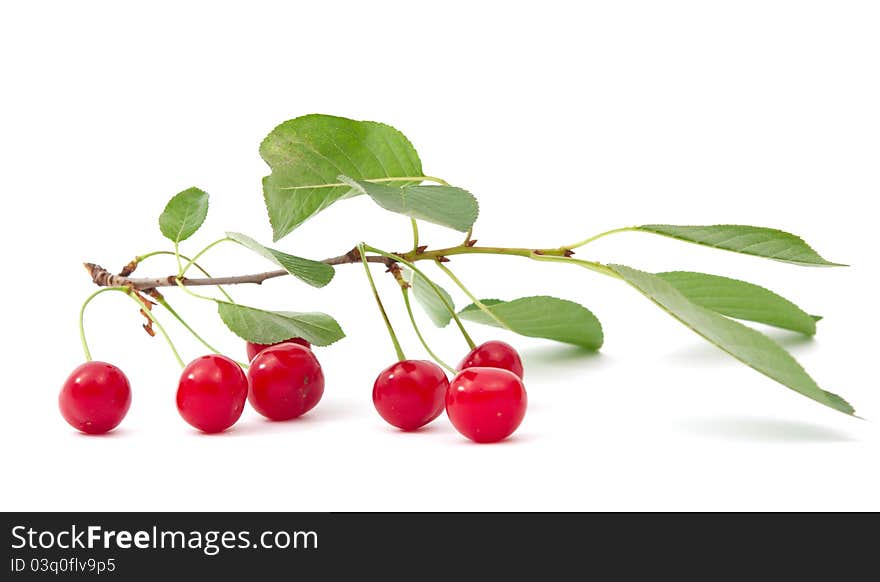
[129, 268]
[395, 270]
[354, 255]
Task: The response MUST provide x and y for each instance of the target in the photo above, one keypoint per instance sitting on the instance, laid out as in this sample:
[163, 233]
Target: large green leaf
[741, 300]
[750, 240]
[444, 205]
[428, 299]
[747, 345]
[314, 273]
[542, 317]
[269, 327]
[307, 154]
[184, 214]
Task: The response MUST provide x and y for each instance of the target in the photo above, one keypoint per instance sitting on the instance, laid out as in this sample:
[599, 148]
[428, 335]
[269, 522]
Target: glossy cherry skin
[285, 381]
[211, 393]
[493, 354]
[411, 393]
[254, 349]
[95, 397]
[486, 404]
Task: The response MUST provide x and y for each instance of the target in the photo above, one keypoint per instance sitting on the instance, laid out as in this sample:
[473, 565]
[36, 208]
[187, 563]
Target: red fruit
[211, 393]
[493, 354]
[95, 397]
[486, 404]
[410, 394]
[286, 381]
[254, 349]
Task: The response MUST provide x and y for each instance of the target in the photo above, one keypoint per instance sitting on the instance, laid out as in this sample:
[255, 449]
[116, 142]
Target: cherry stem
[397, 348]
[193, 293]
[146, 309]
[470, 295]
[434, 287]
[412, 319]
[164, 303]
[82, 312]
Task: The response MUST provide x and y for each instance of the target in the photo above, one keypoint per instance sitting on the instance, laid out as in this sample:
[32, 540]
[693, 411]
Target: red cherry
[211, 393]
[254, 349]
[486, 404]
[286, 381]
[410, 394]
[95, 397]
[493, 354]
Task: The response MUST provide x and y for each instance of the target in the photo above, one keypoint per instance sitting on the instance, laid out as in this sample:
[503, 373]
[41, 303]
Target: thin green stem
[199, 254]
[397, 348]
[220, 288]
[412, 319]
[146, 309]
[82, 312]
[591, 265]
[201, 340]
[415, 232]
[140, 258]
[161, 301]
[436, 290]
[587, 241]
[193, 293]
[470, 295]
[177, 258]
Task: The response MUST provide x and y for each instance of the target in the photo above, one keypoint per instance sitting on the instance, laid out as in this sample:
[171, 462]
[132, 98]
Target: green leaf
[184, 214]
[749, 240]
[428, 299]
[269, 327]
[315, 273]
[444, 205]
[541, 317]
[747, 345]
[307, 154]
[741, 300]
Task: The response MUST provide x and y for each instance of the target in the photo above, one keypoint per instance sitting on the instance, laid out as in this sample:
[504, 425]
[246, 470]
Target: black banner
[269, 545]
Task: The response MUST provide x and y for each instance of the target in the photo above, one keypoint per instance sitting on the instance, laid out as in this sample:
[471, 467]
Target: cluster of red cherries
[486, 400]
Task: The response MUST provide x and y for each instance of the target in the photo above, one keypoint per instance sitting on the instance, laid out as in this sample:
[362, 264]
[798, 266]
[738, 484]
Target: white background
[565, 119]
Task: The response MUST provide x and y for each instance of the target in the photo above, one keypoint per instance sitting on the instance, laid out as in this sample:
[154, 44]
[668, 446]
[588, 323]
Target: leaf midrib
[371, 180]
[183, 222]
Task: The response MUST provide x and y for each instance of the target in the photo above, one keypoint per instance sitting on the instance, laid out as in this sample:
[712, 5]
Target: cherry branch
[104, 278]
